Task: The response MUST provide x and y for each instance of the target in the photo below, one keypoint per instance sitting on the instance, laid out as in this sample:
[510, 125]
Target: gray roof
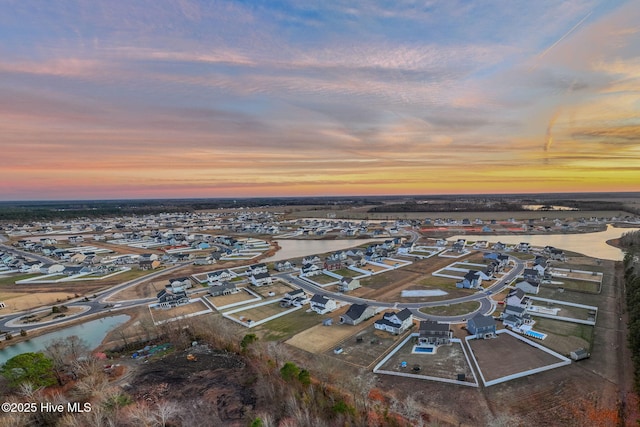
[482, 321]
[433, 326]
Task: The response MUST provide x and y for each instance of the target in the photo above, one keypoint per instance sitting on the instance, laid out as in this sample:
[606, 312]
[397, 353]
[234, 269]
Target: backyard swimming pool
[429, 350]
[535, 334]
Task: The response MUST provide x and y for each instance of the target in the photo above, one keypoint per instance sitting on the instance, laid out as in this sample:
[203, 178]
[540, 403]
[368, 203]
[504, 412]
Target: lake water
[301, 248]
[92, 332]
[590, 244]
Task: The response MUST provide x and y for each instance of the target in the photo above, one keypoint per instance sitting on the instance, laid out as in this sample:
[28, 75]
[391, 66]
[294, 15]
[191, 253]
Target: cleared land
[452, 310]
[160, 314]
[563, 337]
[223, 300]
[366, 347]
[447, 362]
[320, 338]
[259, 313]
[506, 355]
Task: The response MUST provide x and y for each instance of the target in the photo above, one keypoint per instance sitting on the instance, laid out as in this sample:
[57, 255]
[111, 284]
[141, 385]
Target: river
[92, 332]
[590, 244]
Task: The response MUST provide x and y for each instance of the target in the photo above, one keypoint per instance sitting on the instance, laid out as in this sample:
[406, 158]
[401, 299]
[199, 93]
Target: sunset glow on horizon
[195, 99]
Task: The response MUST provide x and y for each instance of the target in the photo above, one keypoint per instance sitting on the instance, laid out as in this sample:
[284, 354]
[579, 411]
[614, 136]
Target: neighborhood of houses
[257, 292]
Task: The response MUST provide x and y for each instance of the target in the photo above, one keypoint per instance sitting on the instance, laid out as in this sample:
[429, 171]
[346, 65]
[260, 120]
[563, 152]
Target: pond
[590, 244]
[92, 332]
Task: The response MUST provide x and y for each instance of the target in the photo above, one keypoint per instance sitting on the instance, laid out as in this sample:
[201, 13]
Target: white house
[395, 322]
[261, 279]
[322, 305]
[528, 287]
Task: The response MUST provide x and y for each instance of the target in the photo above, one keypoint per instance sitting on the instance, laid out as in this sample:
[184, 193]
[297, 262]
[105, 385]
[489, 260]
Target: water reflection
[92, 332]
[590, 244]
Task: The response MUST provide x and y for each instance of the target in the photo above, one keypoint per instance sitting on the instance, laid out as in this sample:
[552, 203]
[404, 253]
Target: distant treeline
[63, 210]
[497, 205]
[631, 242]
[448, 206]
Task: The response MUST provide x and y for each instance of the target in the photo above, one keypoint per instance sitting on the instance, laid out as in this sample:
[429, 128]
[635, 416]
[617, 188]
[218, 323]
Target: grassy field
[506, 355]
[452, 310]
[575, 285]
[323, 279]
[568, 336]
[287, 326]
[160, 314]
[11, 280]
[345, 272]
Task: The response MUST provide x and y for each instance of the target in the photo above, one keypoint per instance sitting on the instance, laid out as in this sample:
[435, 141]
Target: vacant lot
[563, 337]
[366, 347]
[506, 355]
[285, 327]
[21, 301]
[574, 285]
[224, 300]
[323, 279]
[320, 338]
[447, 362]
[160, 314]
[278, 287]
[453, 309]
[259, 313]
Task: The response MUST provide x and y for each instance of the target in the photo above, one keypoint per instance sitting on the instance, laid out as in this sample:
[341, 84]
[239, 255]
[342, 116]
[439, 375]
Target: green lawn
[285, 327]
[345, 272]
[452, 310]
[576, 285]
[323, 279]
[11, 280]
[566, 329]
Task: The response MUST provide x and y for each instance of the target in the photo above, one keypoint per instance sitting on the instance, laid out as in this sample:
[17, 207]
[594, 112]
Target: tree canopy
[33, 368]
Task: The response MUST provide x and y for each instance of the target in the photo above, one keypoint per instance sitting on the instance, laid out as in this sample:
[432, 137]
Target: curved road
[483, 297]
[99, 304]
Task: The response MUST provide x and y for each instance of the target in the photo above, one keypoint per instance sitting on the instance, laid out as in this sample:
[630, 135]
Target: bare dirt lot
[447, 362]
[160, 314]
[366, 347]
[320, 338]
[224, 300]
[506, 355]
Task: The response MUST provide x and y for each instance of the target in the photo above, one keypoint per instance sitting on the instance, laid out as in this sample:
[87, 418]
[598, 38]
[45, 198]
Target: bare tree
[164, 411]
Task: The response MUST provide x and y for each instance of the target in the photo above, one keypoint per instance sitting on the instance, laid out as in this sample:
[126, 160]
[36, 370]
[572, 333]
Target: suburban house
[309, 270]
[434, 333]
[284, 266]
[180, 284]
[395, 322]
[528, 287]
[203, 260]
[30, 267]
[222, 288]
[471, 280]
[219, 276]
[499, 246]
[168, 299]
[516, 297]
[322, 305]
[51, 268]
[515, 316]
[313, 259]
[523, 247]
[294, 298]
[482, 326]
[554, 253]
[78, 258]
[257, 269]
[333, 264]
[357, 313]
[531, 275]
[347, 284]
[459, 245]
[261, 279]
[72, 270]
[145, 264]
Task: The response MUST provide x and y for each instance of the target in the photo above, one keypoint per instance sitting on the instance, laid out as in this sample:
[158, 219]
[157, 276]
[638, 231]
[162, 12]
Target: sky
[182, 98]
